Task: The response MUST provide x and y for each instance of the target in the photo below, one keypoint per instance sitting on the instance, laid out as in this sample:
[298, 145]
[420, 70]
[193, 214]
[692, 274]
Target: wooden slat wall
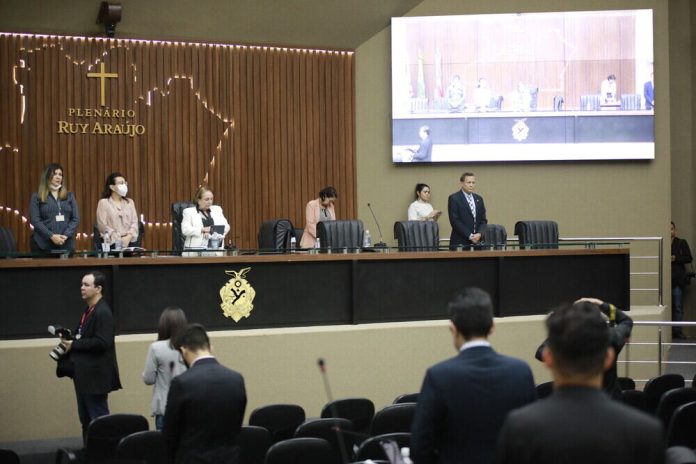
[562, 56]
[265, 127]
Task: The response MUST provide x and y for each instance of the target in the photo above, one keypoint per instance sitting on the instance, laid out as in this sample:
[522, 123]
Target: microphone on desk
[339, 432]
[381, 243]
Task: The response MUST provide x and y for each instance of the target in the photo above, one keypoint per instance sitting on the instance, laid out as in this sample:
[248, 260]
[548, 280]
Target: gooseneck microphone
[381, 243]
[339, 433]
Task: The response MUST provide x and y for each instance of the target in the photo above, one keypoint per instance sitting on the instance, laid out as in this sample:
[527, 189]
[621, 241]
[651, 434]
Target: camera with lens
[60, 349]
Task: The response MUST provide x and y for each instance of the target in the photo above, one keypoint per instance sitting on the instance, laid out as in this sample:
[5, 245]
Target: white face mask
[54, 188]
[122, 189]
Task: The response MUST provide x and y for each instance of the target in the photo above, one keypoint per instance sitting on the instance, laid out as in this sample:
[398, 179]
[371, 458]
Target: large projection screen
[523, 87]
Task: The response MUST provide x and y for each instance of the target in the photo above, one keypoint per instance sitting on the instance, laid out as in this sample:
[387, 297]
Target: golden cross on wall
[102, 75]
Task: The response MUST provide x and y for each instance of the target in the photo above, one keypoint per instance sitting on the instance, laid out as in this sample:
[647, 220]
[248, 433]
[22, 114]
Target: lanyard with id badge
[60, 217]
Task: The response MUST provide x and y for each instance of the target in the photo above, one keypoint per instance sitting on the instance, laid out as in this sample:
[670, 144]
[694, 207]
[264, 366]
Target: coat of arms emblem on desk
[237, 295]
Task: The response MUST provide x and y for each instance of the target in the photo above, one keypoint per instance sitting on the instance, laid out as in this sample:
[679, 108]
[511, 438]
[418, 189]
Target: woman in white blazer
[197, 220]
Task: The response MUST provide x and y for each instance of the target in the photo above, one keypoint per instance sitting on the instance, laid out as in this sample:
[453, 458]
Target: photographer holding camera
[92, 352]
[681, 255]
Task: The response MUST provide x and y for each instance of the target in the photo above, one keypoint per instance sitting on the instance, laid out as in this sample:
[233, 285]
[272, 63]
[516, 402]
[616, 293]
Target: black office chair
[626, 383]
[657, 386]
[8, 244]
[680, 431]
[359, 411]
[558, 102]
[279, 419]
[417, 235]
[537, 234]
[630, 101]
[8, 457]
[103, 436]
[394, 418]
[177, 216]
[301, 451]
[333, 430]
[253, 442]
[275, 235]
[671, 400]
[145, 446]
[635, 398]
[406, 398]
[494, 237]
[340, 234]
[534, 100]
[372, 448]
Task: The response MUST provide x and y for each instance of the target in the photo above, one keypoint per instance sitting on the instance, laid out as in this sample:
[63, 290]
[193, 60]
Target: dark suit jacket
[682, 256]
[462, 220]
[463, 403]
[204, 413]
[580, 425]
[94, 354]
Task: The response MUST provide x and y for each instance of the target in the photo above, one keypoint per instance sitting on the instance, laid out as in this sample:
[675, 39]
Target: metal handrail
[660, 344]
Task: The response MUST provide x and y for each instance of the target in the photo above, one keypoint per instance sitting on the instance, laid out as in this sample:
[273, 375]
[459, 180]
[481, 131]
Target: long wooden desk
[300, 290]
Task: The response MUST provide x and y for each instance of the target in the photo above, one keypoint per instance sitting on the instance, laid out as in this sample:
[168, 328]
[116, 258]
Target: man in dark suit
[681, 256]
[467, 214]
[205, 405]
[579, 423]
[425, 149]
[465, 399]
[93, 352]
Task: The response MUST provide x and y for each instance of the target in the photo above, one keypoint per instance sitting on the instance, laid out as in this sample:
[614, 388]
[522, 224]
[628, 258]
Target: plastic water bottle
[367, 239]
[118, 243]
[293, 244]
[317, 243]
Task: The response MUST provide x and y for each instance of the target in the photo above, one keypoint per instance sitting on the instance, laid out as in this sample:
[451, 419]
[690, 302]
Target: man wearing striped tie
[467, 214]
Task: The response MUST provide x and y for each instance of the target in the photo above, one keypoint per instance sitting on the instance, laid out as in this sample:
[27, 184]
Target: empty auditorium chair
[372, 447]
[275, 235]
[177, 216]
[407, 398]
[537, 234]
[359, 411]
[301, 451]
[417, 235]
[253, 442]
[671, 400]
[494, 237]
[279, 419]
[682, 425]
[657, 386]
[147, 446]
[336, 431]
[394, 418]
[340, 234]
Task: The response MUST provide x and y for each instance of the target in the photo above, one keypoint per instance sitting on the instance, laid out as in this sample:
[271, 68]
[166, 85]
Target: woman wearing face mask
[53, 213]
[197, 222]
[116, 214]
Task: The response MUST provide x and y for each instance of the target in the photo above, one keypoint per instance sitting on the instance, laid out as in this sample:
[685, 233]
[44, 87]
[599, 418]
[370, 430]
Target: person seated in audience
[455, 95]
[163, 362]
[578, 423]
[53, 212]
[421, 209]
[317, 210]
[117, 219]
[620, 327]
[197, 222]
[464, 400]
[607, 92]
